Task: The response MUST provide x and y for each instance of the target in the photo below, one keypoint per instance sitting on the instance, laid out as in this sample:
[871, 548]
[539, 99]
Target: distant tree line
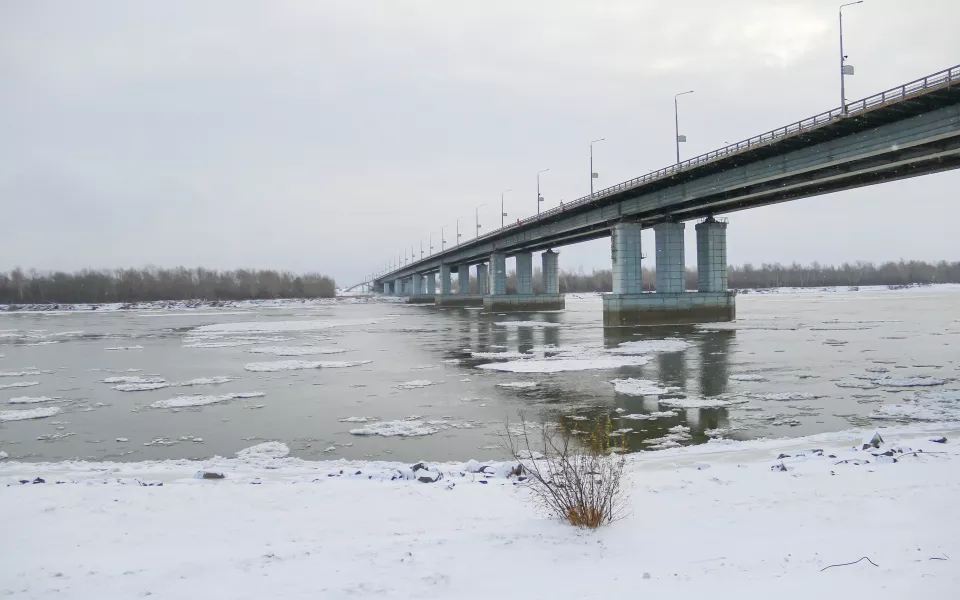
[771, 275]
[143, 285]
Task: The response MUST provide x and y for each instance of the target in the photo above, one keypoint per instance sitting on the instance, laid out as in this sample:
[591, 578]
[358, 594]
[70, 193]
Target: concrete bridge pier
[386, 288]
[524, 300]
[432, 284]
[397, 287]
[418, 294]
[462, 297]
[483, 279]
[670, 303]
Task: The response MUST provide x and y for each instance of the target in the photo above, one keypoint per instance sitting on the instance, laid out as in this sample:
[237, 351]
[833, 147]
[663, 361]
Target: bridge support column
[462, 297]
[386, 288]
[483, 280]
[525, 300]
[431, 284]
[498, 274]
[444, 280]
[670, 304]
[397, 287]
[417, 295]
[711, 256]
[671, 270]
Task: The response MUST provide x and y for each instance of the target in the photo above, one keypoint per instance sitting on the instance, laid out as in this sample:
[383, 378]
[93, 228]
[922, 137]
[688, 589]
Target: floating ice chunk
[748, 377]
[295, 350]
[29, 400]
[645, 346]
[264, 450]
[702, 402]
[223, 344]
[451, 361]
[358, 419]
[786, 396]
[924, 405]
[123, 440]
[499, 355]
[139, 387]
[519, 385]
[31, 413]
[207, 380]
[18, 384]
[851, 383]
[914, 381]
[280, 326]
[559, 364]
[134, 379]
[3, 455]
[416, 383]
[125, 348]
[640, 387]
[294, 365]
[201, 400]
[665, 414]
[404, 428]
[24, 373]
[515, 324]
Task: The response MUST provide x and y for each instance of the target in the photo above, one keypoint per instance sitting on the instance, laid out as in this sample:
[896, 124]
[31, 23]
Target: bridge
[903, 132]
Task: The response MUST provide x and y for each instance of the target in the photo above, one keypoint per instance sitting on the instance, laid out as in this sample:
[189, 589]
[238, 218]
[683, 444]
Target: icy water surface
[390, 381]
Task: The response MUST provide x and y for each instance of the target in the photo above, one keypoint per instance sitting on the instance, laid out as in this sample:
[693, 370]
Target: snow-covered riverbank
[719, 520]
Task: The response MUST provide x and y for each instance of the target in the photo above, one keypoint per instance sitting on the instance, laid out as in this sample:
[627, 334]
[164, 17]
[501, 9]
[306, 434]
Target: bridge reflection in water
[576, 399]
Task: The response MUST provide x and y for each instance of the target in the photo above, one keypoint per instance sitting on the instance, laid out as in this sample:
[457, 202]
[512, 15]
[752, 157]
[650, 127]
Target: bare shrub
[576, 480]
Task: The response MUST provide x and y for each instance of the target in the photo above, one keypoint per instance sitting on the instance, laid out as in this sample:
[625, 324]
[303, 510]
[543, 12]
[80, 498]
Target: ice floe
[266, 450]
[140, 387]
[893, 381]
[125, 348]
[294, 365]
[134, 379]
[922, 405]
[519, 385]
[499, 355]
[640, 387]
[30, 413]
[713, 402]
[25, 373]
[202, 400]
[571, 358]
[416, 383]
[206, 381]
[674, 438]
[786, 396]
[663, 414]
[279, 326]
[29, 400]
[403, 428]
[644, 346]
[748, 377]
[358, 419]
[515, 324]
[18, 384]
[294, 350]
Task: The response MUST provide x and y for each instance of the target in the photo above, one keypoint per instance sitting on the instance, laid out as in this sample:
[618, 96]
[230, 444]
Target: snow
[295, 350]
[519, 385]
[321, 530]
[29, 400]
[403, 428]
[293, 365]
[640, 387]
[516, 324]
[31, 413]
[748, 377]
[266, 450]
[18, 384]
[415, 384]
[201, 400]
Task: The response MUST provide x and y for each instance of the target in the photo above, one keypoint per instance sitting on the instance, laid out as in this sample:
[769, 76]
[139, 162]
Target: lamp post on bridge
[539, 197]
[676, 123]
[844, 68]
[458, 230]
[476, 217]
[442, 240]
[592, 174]
[431, 242]
[503, 213]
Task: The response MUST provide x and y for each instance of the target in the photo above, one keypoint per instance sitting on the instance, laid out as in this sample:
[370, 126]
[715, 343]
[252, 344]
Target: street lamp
[458, 230]
[431, 242]
[442, 240]
[592, 174]
[539, 197]
[844, 69]
[476, 217]
[676, 123]
[502, 212]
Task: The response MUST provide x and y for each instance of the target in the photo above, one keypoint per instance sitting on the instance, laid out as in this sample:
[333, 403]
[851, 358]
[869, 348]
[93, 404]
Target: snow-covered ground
[721, 520]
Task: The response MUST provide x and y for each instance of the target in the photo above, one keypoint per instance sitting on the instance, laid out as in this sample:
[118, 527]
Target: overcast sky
[329, 136]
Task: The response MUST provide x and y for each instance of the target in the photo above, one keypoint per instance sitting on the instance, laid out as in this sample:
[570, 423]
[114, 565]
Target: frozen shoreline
[713, 519]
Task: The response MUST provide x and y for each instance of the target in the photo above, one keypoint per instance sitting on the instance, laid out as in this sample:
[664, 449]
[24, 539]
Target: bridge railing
[891, 96]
